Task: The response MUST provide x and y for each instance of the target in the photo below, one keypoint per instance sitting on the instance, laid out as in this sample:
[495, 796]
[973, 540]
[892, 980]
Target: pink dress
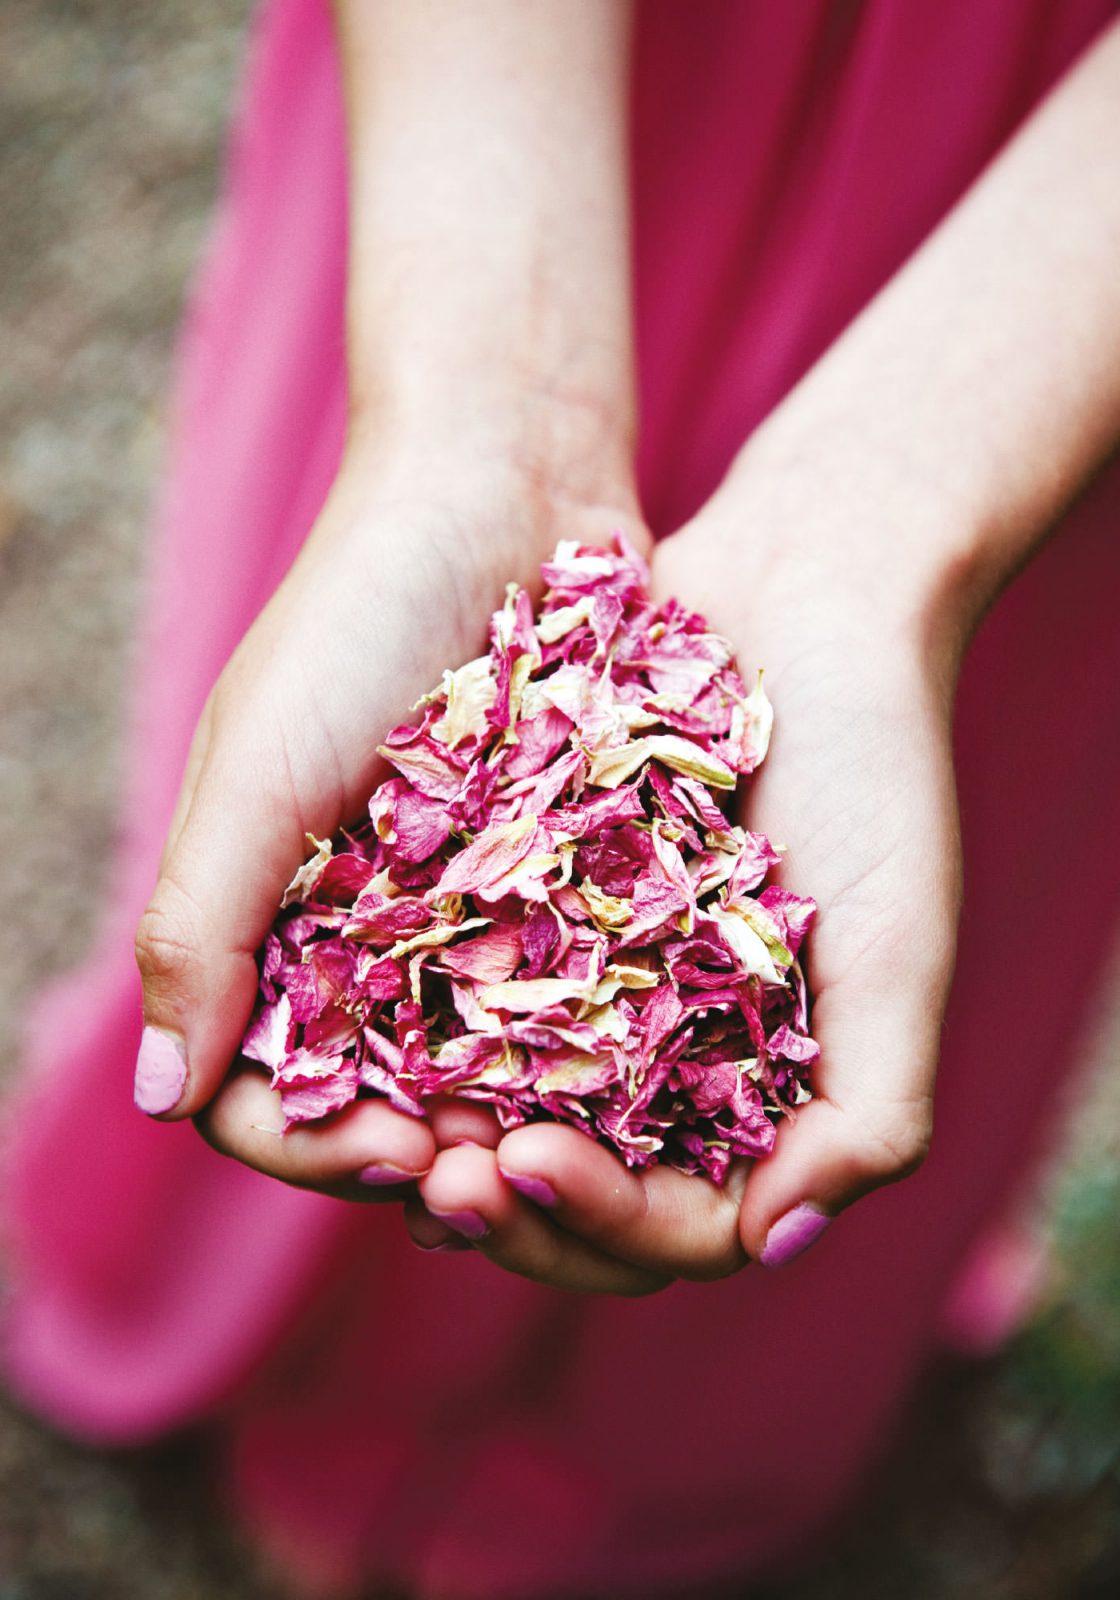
[431, 1422]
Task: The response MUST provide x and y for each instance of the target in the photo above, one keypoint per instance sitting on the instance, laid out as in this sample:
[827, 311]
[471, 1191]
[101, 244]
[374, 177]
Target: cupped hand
[396, 581]
[858, 787]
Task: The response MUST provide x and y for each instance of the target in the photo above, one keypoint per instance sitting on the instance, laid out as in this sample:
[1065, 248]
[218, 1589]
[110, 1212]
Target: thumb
[236, 843]
[871, 1120]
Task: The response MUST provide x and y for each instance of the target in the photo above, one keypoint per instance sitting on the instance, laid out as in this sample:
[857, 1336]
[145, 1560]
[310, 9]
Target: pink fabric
[432, 1422]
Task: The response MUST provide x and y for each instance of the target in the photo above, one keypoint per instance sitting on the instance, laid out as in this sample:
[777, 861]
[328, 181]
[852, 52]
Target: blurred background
[112, 116]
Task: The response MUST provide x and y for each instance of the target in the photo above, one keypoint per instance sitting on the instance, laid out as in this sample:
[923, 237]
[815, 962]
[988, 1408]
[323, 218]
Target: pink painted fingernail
[469, 1223]
[161, 1072]
[792, 1234]
[382, 1173]
[534, 1189]
[448, 1244]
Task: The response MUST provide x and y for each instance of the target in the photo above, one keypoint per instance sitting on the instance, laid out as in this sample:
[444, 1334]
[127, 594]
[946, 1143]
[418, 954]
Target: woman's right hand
[489, 355]
[395, 582]
[860, 650]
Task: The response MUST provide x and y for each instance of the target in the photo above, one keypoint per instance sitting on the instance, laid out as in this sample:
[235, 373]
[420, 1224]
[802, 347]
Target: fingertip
[459, 1121]
[561, 1169]
[463, 1178]
[551, 1150]
[161, 1072]
[386, 1175]
[792, 1234]
[197, 1001]
[428, 1233]
[825, 1160]
[538, 1190]
[367, 1151]
[799, 1172]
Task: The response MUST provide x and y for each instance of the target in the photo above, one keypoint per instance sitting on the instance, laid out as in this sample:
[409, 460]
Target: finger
[429, 1233]
[466, 1191]
[883, 857]
[871, 1120]
[660, 1220]
[219, 887]
[196, 760]
[456, 1121]
[367, 1152]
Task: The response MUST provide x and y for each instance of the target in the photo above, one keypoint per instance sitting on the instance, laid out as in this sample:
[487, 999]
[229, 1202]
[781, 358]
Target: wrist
[504, 430]
[839, 549]
[495, 493]
[830, 505]
[496, 369]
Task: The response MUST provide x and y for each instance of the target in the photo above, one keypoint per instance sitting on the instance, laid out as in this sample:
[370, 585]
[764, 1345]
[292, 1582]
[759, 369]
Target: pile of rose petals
[549, 908]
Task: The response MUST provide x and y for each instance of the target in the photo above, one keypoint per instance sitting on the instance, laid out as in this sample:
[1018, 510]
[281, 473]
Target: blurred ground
[111, 117]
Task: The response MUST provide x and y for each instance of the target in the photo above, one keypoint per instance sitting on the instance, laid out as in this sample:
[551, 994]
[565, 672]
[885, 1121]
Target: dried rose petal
[549, 908]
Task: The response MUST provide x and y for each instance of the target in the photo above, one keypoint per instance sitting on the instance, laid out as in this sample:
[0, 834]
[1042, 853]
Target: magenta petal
[549, 908]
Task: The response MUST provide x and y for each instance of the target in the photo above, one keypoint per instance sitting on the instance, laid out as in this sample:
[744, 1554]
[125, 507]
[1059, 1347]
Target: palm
[395, 583]
[858, 786]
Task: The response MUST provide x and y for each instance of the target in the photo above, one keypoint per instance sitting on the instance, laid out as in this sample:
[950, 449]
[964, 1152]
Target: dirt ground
[1007, 1485]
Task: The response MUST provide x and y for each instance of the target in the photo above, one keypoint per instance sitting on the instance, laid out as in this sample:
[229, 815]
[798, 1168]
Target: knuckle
[168, 943]
[706, 1244]
[894, 1146]
[165, 949]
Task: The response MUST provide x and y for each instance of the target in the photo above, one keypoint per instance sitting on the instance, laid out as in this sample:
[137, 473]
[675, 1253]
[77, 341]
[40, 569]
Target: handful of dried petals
[548, 909]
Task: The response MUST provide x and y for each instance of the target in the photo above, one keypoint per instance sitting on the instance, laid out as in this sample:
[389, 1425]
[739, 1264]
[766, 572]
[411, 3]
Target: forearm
[489, 263]
[961, 412]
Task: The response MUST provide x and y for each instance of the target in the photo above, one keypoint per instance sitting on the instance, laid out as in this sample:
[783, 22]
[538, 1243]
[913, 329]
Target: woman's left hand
[859, 785]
